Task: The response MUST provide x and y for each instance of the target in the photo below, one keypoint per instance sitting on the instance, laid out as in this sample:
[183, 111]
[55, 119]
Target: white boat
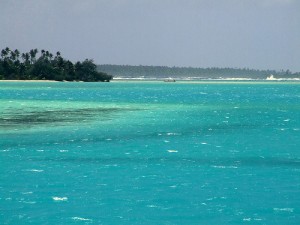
[271, 77]
[169, 80]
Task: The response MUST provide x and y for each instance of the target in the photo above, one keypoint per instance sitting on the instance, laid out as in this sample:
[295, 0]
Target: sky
[256, 34]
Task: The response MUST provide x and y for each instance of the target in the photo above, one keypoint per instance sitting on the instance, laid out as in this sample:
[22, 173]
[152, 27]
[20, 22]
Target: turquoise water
[150, 153]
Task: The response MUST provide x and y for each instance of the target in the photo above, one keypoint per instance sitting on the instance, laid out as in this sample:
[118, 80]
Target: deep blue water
[150, 153]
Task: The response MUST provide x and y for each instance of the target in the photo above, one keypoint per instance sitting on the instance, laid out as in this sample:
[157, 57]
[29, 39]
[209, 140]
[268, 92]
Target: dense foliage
[183, 72]
[29, 66]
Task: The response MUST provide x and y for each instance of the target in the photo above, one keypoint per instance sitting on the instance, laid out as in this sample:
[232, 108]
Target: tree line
[33, 65]
[198, 73]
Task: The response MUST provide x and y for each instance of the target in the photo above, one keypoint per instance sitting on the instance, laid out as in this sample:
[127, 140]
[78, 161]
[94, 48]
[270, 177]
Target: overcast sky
[259, 34]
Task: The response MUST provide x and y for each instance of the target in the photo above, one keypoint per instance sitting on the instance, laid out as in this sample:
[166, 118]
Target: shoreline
[29, 81]
[190, 81]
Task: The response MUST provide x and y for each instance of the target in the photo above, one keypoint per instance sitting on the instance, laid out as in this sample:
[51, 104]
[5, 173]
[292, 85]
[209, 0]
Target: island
[192, 73]
[33, 65]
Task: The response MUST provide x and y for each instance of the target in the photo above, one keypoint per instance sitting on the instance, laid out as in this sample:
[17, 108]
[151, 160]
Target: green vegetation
[29, 66]
[197, 73]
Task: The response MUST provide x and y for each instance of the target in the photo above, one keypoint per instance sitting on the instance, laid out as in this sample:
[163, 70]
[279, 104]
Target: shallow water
[150, 153]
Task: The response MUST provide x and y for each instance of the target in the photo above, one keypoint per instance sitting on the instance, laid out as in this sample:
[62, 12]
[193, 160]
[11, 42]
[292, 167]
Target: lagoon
[150, 152]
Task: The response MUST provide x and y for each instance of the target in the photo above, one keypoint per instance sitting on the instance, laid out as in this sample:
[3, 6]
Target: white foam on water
[35, 170]
[40, 150]
[63, 150]
[284, 209]
[5, 150]
[173, 134]
[60, 198]
[166, 141]
[29, 202]
[203, 143]
[172, 151]
[152, 206]
[225, 167]
[27, 193]
[80, 218]
[287, 120]
[247, 219]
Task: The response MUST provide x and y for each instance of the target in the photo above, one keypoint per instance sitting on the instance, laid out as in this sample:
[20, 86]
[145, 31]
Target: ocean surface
[150, 153]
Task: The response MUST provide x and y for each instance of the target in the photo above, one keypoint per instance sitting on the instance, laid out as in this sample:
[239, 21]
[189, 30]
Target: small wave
[152, 206]
[284, 209]
[27, 193]
[173, 134]
[35, 170]
[63, 150]
[60, 198]
[225, 167]
[172, 151]
[29, 202]
[80, 218]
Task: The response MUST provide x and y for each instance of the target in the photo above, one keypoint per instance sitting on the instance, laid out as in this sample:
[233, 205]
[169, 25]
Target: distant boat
[169, 80]
[271, 77]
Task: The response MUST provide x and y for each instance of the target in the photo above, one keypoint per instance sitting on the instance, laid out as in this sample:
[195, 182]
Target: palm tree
[32, 54]
[12, 56]
[17, 53]
[43, 51]
[35, 51]
[4, 52]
